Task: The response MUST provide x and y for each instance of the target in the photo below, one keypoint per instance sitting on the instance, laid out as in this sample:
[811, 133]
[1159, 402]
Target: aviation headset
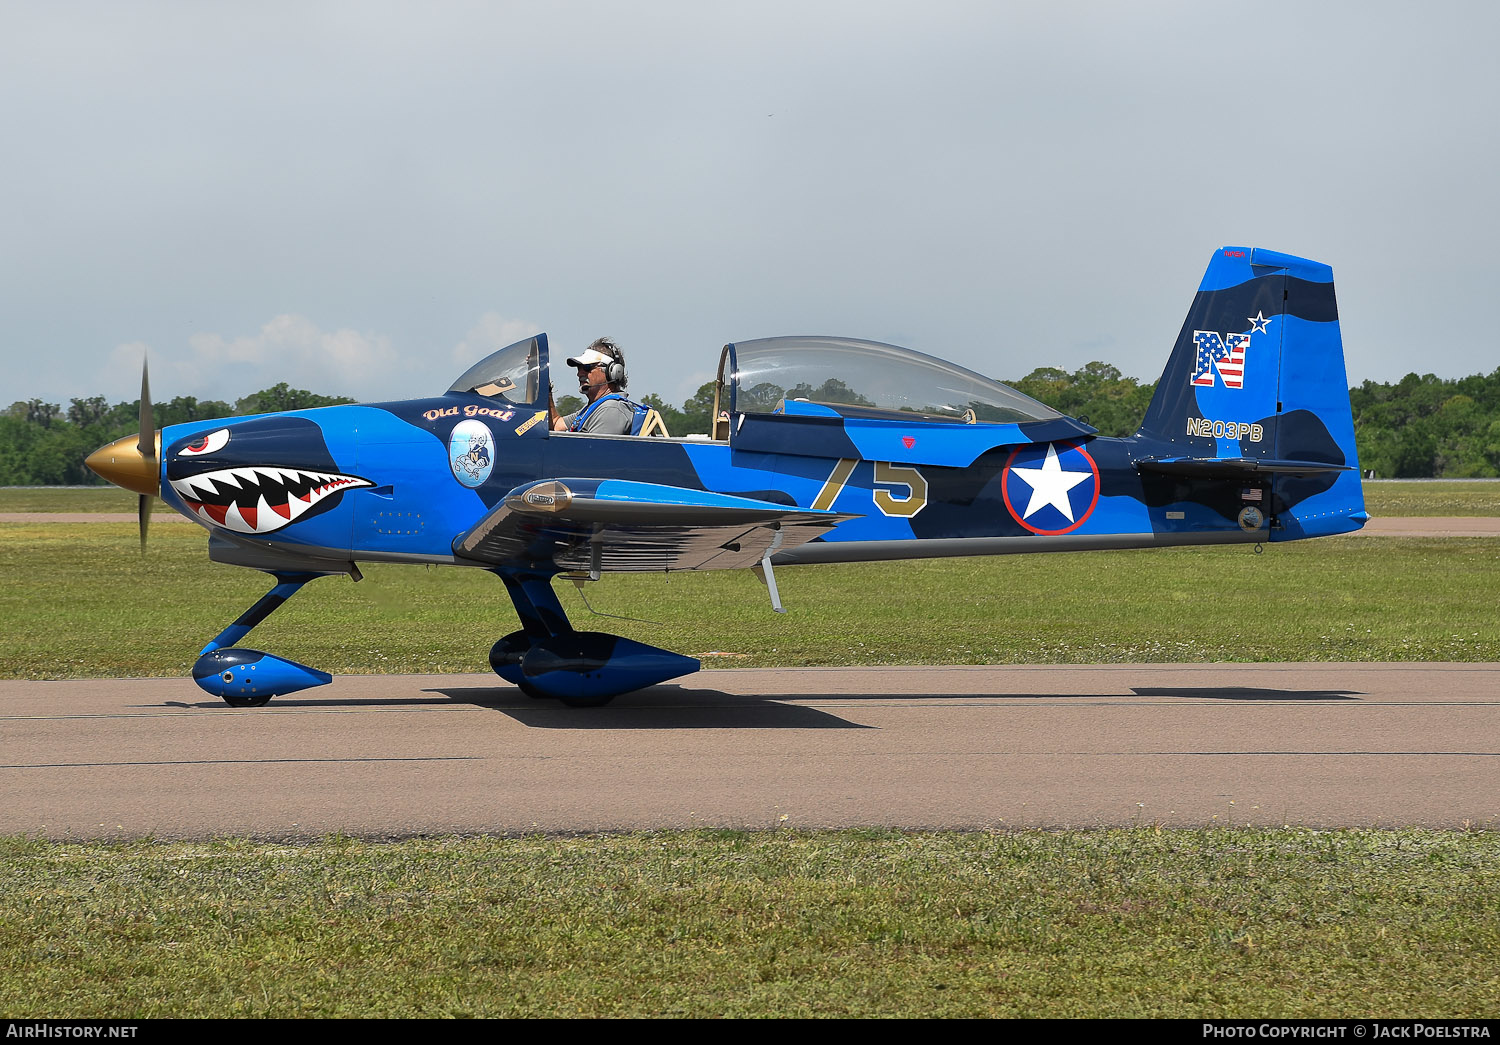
[614, 372]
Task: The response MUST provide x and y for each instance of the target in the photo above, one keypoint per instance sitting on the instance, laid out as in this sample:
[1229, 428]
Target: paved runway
[967, 747]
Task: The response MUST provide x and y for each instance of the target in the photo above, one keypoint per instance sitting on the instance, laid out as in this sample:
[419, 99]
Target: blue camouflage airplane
[823, 450]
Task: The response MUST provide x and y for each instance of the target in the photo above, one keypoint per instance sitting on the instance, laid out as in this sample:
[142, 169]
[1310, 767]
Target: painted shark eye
[206, 444]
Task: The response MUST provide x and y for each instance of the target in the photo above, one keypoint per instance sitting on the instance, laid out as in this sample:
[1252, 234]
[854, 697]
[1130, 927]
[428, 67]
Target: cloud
[293, 349]
[492, 332]
[127, 357]
[287, 348]
[155, 198]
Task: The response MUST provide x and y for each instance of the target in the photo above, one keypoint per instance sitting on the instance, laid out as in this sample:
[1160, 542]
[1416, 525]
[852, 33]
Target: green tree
[281, 397]
[91, 411]
[1425, 426]
[182, 409]
[40, 413]
[698, 411]
[1096, 392]
[673, 418]
[831, 391]
[17, 439]
[763, 397]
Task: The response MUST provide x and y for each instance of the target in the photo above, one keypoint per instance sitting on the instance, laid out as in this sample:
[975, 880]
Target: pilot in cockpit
[602, 380]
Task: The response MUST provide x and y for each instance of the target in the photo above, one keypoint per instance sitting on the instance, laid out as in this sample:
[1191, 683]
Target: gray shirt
[611, 417]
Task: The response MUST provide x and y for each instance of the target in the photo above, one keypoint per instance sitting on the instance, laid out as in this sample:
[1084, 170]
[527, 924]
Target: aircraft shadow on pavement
[658, 707]
[285, 703]
[665, 706]
[670, 706]
[1245, 693]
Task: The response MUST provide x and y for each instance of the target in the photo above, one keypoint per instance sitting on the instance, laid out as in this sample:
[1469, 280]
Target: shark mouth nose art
[260, 498]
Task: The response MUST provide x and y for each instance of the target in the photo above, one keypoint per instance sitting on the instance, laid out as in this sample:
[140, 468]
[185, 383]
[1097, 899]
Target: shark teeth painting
[260, 499]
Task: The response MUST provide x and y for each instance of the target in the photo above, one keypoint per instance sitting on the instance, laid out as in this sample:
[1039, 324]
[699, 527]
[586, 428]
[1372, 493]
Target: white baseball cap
[591, 357]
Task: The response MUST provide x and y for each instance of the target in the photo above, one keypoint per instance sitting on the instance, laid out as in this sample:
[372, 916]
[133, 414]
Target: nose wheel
[248, 678]
[247, 702]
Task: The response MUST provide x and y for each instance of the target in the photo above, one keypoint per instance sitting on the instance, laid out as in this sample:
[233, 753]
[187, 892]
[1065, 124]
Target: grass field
[71, 499]
[1397, 497]
[78, 600]
[1136, 922]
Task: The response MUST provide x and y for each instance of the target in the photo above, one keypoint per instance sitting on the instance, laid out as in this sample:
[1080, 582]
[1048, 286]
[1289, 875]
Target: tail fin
[1256, 384]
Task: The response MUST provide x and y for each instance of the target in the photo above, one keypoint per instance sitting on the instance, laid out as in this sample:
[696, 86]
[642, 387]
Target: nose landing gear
[247, 678]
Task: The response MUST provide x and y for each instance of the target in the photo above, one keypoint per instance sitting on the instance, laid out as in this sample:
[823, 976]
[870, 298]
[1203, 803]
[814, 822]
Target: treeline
[1419, 427]
[43, 445]
[1425, 426]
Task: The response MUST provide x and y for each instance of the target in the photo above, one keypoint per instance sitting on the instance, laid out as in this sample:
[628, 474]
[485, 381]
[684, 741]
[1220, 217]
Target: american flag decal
[1227, 353]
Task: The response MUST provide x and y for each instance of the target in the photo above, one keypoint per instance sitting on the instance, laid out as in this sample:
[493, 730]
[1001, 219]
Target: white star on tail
[1050, 485]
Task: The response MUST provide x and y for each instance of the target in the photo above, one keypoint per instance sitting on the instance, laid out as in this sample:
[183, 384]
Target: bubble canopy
[870, 379]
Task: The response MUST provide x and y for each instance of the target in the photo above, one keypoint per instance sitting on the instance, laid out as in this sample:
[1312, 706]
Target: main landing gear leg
[247, 678]
[583, 669]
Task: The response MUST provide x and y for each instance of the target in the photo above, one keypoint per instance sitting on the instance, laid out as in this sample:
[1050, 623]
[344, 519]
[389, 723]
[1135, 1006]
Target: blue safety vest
[638, 417]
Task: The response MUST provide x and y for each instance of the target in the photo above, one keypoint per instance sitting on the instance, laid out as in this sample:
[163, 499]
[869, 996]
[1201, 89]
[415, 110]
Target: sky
[365, 198]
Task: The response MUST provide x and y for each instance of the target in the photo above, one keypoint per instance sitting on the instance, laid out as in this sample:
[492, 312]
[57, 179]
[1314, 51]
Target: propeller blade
[147, 443]
[147, 447]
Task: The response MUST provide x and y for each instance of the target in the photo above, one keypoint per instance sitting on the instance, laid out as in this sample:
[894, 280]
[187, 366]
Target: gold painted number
[887, 474]
[835, 484]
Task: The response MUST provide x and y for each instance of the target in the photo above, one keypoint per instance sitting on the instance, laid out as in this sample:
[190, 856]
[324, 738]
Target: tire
[586, 702]
[532, 692]
[246, 702]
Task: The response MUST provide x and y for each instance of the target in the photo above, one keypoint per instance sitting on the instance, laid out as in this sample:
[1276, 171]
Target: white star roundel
[1050, 489]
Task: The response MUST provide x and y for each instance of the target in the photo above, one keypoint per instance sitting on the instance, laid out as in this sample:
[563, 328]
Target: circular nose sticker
[470, 452]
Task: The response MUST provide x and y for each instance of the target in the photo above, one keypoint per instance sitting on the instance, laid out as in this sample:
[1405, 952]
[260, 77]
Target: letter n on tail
[1227, 353]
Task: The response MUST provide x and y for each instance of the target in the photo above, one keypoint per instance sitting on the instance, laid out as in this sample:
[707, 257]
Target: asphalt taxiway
[1321, 745]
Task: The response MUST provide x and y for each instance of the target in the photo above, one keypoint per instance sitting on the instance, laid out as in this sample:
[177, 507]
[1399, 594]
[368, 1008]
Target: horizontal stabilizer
[1234, 467]
[617, 525]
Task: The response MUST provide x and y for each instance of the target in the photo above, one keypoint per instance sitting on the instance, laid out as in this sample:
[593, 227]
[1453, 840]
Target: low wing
[617, 525]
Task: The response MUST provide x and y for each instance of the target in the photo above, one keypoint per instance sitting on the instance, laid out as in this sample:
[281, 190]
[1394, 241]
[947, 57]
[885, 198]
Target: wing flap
[618, 525]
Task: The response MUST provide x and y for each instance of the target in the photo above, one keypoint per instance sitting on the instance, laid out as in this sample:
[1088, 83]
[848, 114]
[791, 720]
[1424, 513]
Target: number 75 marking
[886, 474]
